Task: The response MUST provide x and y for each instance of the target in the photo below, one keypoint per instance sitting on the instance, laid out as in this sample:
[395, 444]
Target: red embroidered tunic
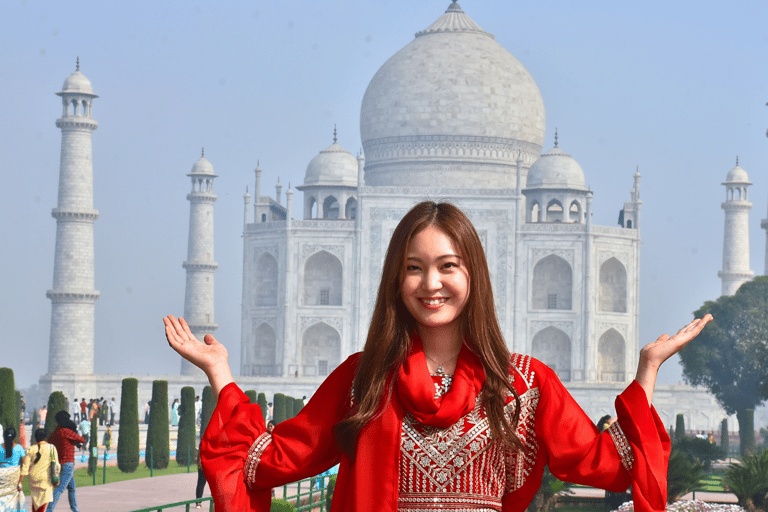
[458, 468]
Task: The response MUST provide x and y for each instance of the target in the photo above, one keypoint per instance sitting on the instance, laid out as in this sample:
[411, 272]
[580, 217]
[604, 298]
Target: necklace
[440, 370]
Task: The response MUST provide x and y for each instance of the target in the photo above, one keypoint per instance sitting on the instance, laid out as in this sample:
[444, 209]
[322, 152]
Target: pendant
[440, 370]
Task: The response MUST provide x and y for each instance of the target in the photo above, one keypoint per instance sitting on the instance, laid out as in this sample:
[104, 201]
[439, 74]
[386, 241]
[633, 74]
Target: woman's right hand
[210, 356]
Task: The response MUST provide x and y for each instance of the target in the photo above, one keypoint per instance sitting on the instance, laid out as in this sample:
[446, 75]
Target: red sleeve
[298, 448]
[632, 451]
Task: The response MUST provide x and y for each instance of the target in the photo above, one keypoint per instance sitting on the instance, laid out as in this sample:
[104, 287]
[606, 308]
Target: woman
[10, 479]
[175, 413]
[37, 464]
[435, 412]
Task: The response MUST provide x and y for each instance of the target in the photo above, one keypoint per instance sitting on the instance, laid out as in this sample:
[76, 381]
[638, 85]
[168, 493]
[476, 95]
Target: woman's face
[435, 284]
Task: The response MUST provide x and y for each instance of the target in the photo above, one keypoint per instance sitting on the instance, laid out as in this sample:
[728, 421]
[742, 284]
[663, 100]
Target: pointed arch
[574, 212]
[330, 208]
[552, 347]
[552, 284]
[320, 349]
[323, 280]
[613, 287]
[535, 212]
[611, 357]
[555, 211]
[350, 210]
[265, 292]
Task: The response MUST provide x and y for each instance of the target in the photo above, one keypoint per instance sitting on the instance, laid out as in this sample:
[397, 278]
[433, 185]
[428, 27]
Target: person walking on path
[112, 408]
[435, 413]
[64, 438]
[37, 465]
[10, 479]
[85, 430]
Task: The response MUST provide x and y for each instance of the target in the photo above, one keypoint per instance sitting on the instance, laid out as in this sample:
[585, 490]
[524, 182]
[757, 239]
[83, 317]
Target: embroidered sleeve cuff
[254, 457]
[626, 453]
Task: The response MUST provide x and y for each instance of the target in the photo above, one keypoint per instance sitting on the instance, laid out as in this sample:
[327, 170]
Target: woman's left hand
[653, 355]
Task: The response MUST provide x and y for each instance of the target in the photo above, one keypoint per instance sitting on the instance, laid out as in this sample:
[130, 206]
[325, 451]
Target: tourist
[198, 410]
[435, 379]
[37, 464]
[146, 412]
[83, 409]
[112, 409]
[65, 438]
[84, 429]
[10, 476]
[200, 481]
[42, 414]
[175, 413]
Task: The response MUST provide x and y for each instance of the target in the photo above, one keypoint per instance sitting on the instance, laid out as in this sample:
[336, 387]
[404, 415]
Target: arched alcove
[610, 359]
[265, 292]
[574, 212]
[535, 212]
[350, 211]
[553, 347]
[322, 280]
[552, 284]
[330, 208]
[555, 211]
[263, 356]
[320, 349]
[613, 287]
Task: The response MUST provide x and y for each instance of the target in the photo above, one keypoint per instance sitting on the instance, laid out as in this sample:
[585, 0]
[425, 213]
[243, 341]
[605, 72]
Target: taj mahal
[452, 116]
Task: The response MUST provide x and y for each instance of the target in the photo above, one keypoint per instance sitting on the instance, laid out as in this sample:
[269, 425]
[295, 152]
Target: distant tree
[128, 433]
[93, 447]
[8, 399]
[724, 438]
[263, 404]
[679, 428]
[209, 404]
[729, 355]
[186, 447]
[34, 418]
[158, 451]
[56, 403]
[252, 396]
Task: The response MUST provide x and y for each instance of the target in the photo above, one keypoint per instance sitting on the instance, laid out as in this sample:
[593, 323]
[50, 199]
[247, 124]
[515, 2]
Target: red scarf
[373, 477]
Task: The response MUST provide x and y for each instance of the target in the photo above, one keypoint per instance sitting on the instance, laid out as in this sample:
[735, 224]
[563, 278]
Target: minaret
[200, 265]
[736, 269]
[73, 296]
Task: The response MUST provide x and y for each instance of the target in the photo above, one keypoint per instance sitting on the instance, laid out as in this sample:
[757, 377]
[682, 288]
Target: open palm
[654, 354]
[205, 356]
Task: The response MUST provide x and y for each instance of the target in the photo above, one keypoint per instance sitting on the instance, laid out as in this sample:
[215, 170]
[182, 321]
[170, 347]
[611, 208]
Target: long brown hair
[388, 341]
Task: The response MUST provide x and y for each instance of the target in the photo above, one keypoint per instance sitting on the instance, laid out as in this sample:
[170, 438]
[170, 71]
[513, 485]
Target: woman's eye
[411, 268]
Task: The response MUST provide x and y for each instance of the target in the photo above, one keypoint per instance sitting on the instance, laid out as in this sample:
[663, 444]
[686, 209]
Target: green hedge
[8, 399]
[93, 445]
[158, 450]
[263, 404]
[128, 431]
[252, 396]
[279, 505]
[279, 408]
[209, 404]
[56, 403]
[185, 442]
[679, 428]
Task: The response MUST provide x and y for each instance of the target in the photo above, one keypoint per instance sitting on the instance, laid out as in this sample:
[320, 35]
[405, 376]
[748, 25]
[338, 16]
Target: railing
[313, 498]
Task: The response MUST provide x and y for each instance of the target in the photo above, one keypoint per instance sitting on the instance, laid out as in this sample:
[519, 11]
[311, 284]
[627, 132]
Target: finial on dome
[555, 136]
[737, 160]
[246, 189]
[334, 133]
[77, 66]
[202, 153]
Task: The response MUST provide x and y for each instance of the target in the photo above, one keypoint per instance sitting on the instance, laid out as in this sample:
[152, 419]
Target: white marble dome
[737, 174]
[452, 104]
[334, 166]
[77, 83]
[556, 169]
[203, 167]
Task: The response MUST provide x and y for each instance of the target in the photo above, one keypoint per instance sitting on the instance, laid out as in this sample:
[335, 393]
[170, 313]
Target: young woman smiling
[435, 413]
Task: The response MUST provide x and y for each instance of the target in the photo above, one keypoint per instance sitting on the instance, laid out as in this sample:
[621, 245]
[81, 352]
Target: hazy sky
[676, 88]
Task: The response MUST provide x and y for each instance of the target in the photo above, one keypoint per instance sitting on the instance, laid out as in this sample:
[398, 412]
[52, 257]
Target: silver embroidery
[520, 463]
[254, 457]
[626, 453]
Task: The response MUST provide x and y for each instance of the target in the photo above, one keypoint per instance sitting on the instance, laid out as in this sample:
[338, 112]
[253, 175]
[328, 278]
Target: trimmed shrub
[748, 443]
[8, 399]
[209, 404]
[56, 403]
[278, 408]
[252, 396]
[279, 505]
[19, 419]
[34, 419]
[93, 445]
[699, 451]
[679, 428]
[128, 431]
[158, 450]
[298, 405]
[186, 447]
[263, 404]
[725, 438]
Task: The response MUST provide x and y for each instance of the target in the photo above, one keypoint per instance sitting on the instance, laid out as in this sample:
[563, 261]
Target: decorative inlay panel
[622, 329]
[538, 254]
[336, 250]
[308, 321]
[537, 326]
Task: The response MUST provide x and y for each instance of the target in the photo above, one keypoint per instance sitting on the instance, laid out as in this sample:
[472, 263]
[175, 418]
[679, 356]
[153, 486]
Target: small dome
[737, 174]
[556, 169]
[76, 82]
[334, 166]
[202, 166]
